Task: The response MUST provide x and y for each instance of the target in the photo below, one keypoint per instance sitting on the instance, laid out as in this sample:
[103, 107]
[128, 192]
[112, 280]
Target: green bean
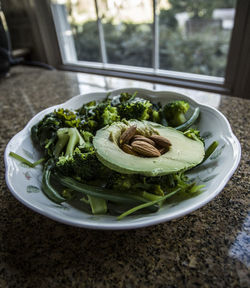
[101, 192]
[47, 188]
[142, 206]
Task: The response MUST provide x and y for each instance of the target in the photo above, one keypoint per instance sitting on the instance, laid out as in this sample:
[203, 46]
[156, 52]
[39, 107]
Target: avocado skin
[184, 153]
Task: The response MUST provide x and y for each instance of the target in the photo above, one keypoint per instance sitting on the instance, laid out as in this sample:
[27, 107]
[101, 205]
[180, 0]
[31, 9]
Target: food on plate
[119, 155]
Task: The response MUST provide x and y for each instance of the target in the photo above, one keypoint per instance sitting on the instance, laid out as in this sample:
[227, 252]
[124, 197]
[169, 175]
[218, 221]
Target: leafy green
[136, 108]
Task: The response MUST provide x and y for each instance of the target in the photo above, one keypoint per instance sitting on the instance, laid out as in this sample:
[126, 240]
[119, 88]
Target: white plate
[25, 183]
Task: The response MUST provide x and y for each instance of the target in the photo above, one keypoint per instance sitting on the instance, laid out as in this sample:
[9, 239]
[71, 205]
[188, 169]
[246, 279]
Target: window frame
[231, 84]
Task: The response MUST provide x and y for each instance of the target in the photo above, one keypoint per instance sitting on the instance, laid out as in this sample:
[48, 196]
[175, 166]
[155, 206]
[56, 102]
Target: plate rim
[119, 225]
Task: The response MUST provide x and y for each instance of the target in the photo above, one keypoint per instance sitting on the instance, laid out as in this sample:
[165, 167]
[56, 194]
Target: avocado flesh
[184, 153]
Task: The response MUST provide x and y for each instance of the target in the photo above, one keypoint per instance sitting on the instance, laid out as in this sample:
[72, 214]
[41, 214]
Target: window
[185, 43]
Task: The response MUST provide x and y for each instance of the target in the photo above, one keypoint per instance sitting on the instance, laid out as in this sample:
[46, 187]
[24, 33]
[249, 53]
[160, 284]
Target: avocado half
[183, 154]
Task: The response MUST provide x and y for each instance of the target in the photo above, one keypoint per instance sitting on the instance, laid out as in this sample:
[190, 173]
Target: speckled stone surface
[208, 248]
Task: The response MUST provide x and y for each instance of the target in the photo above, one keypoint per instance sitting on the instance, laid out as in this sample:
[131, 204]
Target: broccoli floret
[122, 182]
[175, 111]
[127, 106]
[136, 109]
[88, 138]
[95, 116]
[126, 97]
[110, 115]
[79, 159]
[82, 165]
[70, 137]
[131, 107]
[156, 113]
[86, 165]
[65, 164]
[155, 116]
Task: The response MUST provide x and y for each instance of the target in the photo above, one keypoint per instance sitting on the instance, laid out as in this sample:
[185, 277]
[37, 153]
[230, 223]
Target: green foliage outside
[202, 50]
[199, 8]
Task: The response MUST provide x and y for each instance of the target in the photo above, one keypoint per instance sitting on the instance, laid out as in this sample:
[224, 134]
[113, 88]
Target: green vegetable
[139, 207]
[183, 154]
[190, 121]
[110, 115]
[210, 150]
[48, 189]
[94, 116]
[100, 192]
[155, 116]
[79, 158]
[98, 205]
[69, 118]
[25, 161]
[80, 164]
[175, 112]
[193, 134]
[136, 108]
[44, 133]
[67, 138]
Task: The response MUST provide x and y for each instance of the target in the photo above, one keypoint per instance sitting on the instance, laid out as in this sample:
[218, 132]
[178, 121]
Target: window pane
[81, 15]
[195, 35]
[127, 29]
[191, 36]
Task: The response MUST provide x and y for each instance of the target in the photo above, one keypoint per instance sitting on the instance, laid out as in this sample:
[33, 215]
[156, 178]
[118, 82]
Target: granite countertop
[207, 248]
